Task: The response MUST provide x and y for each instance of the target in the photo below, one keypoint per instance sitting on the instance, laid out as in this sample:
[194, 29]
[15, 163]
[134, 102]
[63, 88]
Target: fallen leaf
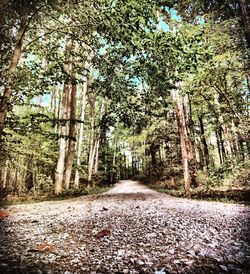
[4, 214]
[103, 233]
[45, 247]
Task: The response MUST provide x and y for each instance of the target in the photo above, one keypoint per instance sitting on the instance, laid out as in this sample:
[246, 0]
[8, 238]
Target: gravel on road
[130, 229]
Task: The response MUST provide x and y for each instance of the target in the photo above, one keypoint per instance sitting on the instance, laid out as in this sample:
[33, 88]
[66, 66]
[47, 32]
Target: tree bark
[92, 137]
[113, 171]
[187, 109]
[95, 140]
[222, 144]
[99, 137]
[182, 128]
[62, 142]
[218, 146]
[91, 159]
[81, 132]
[64, 119]
[72, 136]
[97, 155]
[5, 174]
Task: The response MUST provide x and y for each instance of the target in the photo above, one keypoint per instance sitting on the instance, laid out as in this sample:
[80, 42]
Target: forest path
[145, 232]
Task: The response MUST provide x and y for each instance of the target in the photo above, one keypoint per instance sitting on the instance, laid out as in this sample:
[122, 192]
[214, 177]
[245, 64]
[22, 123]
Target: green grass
[72, 193]
[206, 194]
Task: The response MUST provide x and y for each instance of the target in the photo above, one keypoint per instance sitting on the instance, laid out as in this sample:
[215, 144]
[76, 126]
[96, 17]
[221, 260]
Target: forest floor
[129, 229]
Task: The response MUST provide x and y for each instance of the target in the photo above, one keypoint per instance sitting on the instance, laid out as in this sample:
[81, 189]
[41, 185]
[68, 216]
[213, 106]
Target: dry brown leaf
[4, 214]
[46, 247]
[103, 233]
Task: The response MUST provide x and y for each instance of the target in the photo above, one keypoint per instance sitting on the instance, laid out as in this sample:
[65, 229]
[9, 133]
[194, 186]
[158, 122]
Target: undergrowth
[71, 193]
[229, 182]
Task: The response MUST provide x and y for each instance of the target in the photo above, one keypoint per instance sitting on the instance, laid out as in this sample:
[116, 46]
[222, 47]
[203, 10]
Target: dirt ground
[130, 229]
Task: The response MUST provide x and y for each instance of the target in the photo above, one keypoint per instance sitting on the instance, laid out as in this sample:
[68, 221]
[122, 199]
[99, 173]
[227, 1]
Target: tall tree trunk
[182, 128]
[63, 114]
[72, 136]
[153, 156]
[113, 171]
[5, 174]
[222, 144]
[4, 105]
[57, 112]
[218, 146]
[81, 132]
[95, 140]
[221, 132]
[91, 159]
[97, 155]
[187, 108]
[92, 137]
[62, 142]
[98, 137]
[228, 141]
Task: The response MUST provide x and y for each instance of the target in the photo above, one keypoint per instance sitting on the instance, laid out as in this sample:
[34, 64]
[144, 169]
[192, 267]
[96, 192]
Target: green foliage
[230, 174]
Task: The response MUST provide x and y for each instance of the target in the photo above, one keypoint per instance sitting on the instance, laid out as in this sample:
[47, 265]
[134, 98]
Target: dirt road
[130, 229]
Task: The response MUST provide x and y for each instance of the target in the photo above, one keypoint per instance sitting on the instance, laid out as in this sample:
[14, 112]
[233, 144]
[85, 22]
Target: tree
[24, 12]
[219, 11]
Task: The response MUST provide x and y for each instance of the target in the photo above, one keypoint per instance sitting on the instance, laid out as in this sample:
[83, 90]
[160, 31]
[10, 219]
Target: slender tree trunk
[81, 132]
[52, 101]
[92, 137]
[5, 173]
[218, 146]
[222, 145]
[95, 140]
[64, 117]
[204, 142]
[190, 127]
[187, 108]
[54, 105]
[125, 167]
[98, 138]
[182, 127]
[227, 141]
[62, 142]
[4, 105]
[153, 156]
[72, 136]
[91, 159]
[68, 105]
[113, 173]
[221, 132]
[97, 156]
[57, 111]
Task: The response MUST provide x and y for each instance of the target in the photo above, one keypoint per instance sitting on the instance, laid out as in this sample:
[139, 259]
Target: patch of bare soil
[130, 229]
